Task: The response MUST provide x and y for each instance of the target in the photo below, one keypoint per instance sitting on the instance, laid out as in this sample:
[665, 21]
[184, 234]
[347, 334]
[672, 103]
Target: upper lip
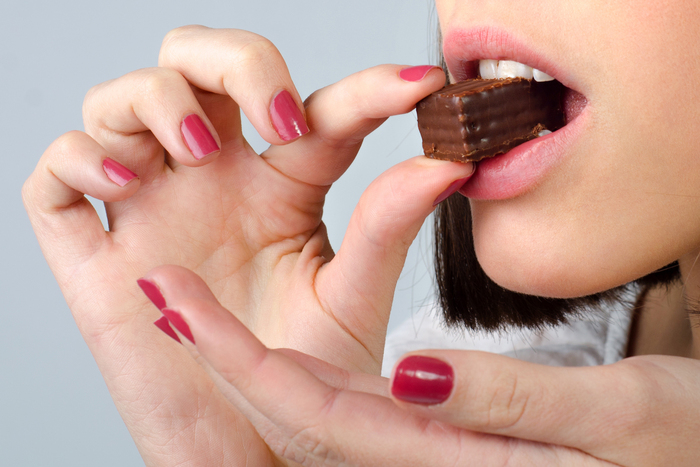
[463, 47]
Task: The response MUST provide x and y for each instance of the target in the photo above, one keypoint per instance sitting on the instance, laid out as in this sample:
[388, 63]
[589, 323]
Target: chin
[544, 265]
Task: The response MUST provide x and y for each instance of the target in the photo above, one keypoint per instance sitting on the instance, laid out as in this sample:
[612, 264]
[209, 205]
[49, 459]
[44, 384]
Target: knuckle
[508, 404]
[28, 191]
[156, 83]
[257, 51]
[174, 36]
[91, 99]
[313, 445]
[505, 403]
[636, 385]
[66, 144]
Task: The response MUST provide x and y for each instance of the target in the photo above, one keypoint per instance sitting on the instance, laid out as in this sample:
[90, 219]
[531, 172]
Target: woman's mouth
[574, 102]
[522, 168]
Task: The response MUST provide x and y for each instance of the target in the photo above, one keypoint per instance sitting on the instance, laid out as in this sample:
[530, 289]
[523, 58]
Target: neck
[669, 320]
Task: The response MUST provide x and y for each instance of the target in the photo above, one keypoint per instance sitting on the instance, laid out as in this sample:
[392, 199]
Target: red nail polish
[152, 292]
[197, 137]
[286, 117]
[452, 189]
[176, 320]
[423, 380]
[163, 324]
[415, 73]
[117, 172]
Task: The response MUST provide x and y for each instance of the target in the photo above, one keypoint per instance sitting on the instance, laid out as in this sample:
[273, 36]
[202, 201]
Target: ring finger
[134, 117]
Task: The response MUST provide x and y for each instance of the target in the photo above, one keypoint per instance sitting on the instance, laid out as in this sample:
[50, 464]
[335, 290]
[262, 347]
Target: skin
[629, 182]
[251, 270]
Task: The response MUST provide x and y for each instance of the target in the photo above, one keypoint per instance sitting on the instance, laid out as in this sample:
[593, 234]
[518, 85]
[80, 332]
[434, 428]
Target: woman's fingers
[604, 411]
[235, 353]
[344, 113]
[125, 114]
[337, 377]
[298, 415]
[65, 222]
[245, 66]
[357, 286]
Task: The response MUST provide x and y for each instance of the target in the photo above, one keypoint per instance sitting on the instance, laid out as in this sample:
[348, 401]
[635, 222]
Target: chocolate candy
[479, 118]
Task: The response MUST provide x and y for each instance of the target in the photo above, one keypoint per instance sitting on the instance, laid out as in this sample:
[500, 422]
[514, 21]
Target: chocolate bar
[479, 118]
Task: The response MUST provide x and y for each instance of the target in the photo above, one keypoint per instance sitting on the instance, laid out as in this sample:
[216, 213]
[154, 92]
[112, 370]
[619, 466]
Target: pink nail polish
[152, 292]
[422, 380]
[286, 118]
[415, 73]
[452, 189]
[163, 324]
[176, 320]
[197, 137]
[117, 172]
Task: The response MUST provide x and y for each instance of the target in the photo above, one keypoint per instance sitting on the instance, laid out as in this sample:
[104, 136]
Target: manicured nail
[197, 137]
[415, 73]
[117, 172]
[176, 320]
[286, 117]
[423, 380]
[152, 292]
[452, 189]
[164, 325]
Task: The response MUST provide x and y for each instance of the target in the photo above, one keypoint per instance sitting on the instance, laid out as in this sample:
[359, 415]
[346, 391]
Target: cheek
[445, 10]
[652, 59]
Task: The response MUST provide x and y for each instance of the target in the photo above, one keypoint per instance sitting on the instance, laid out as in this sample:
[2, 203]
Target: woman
[608, 199]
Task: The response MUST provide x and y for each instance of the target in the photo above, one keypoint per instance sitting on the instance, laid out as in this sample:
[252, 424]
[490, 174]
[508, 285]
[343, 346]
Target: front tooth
[488, 68]
[511, 69]
[541, 76]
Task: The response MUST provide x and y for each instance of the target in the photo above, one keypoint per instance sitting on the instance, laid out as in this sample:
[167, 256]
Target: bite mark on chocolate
[479, 118]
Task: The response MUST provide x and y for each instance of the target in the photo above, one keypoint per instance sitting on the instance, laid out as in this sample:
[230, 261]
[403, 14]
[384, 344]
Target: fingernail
[423, 380]
[176, 320]
[452, 189]
[117, 172]
[152, 292]
[197, 137]
[415, 73]
[163, 324]
[286, 117]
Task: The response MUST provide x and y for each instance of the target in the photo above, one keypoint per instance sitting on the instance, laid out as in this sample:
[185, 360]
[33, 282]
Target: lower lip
[522, 168]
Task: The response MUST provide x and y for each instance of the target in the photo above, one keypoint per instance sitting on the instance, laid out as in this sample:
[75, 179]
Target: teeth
[511, 69]
[541, 76]
[488, 68]
[543, 133]
[492, 69]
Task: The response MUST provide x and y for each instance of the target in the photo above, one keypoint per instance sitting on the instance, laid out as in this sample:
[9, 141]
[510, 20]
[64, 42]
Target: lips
[468, 53]
[574, 102]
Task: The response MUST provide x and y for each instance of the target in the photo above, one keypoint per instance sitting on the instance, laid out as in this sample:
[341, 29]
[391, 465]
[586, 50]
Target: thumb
[358, 284]
[620, 413]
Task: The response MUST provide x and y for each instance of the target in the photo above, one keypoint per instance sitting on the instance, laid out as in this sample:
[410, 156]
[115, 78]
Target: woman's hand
[249, 224]
[467, 408]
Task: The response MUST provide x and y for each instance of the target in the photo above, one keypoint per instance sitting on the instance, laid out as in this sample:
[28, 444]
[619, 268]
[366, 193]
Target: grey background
[54, 407]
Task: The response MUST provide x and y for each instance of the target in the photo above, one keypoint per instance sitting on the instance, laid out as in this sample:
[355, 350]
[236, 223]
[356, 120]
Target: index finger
[247, 67]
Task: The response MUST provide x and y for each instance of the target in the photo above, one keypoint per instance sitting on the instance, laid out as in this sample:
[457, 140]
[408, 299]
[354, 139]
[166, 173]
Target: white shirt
[599, 337]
